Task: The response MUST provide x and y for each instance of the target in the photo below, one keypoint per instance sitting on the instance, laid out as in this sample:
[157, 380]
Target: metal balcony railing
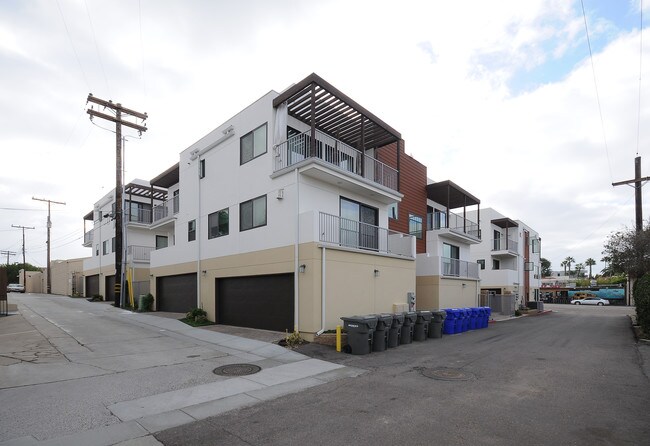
[505, 244]
[458, 268]
[355, 234]
[141, 216]
[166, 209]
[140, 253]
[334, 152]
[456, 223]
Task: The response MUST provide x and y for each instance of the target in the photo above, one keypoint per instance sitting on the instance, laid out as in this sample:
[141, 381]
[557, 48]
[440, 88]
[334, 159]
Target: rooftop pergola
[166, 179]
[451, 195]
[322, 106]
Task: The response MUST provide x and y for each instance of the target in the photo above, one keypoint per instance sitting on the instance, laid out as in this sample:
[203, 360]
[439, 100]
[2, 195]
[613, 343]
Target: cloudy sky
[499, 97]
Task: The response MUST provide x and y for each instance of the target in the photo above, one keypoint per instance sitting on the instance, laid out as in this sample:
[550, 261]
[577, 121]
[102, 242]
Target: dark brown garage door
[176, 293]
[256, 301]
[109, 283]
[92, 285]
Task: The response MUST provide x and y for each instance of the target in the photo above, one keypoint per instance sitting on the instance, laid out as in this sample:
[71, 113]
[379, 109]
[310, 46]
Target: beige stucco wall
[435, 292]
[63, 272]
[351, 287]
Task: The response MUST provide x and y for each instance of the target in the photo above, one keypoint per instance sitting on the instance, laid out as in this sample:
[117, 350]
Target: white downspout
[296, 266]
[322, 295]
[198, 236]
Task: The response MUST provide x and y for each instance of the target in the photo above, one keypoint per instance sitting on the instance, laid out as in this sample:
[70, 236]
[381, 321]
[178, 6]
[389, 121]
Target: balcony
[504, 247]
[88, 239]
[458, 268]
[335, 156]
[139, 254]
[165, 212]
[454, 227]
[354, 234]
[142, 216]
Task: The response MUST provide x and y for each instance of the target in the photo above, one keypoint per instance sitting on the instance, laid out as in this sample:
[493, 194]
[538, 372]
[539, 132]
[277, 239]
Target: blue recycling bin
[481, 317]
[474, 321]
[450, 321]
[468, 316]
[460, 319]
[489, 314]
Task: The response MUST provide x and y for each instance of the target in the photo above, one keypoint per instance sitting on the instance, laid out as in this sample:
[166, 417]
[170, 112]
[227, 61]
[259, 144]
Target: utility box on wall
[410, 298]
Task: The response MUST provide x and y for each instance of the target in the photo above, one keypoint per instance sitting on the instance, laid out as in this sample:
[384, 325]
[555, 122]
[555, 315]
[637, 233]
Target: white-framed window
[191, 230]
[415, 225]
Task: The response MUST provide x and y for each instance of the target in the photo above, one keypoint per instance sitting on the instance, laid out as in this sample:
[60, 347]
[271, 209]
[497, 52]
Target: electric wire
[600, 111]
[99, 56]
[74, 50]
[144, 82]
[638, 124]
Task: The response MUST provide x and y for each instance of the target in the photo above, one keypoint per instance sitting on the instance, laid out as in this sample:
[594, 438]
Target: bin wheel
[347, 349]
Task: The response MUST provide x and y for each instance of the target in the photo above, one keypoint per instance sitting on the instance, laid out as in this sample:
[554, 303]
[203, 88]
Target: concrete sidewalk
[37, 350]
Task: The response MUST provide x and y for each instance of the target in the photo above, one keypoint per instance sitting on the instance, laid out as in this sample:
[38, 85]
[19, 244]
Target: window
[161, 241]
[496, 264]
[252, 144]
[536, 245]
[415, 225]
[191, 231]
[496, 242]
[113, 244]
[218, 224]
[450, 259]
[175, 201]
[105, 247]
[392, 211]
[359, 225]
[139, 212]
[202, 169]
[97, 250]
[252, 213]
[481, 263]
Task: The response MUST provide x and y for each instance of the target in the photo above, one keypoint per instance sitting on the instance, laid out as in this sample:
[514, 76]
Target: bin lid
[411, 315]
[386, 318]
[399, 317]
[424, 314]
[370, 321]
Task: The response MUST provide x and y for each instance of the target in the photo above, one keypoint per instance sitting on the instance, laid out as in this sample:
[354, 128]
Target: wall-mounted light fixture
[150, 275]
[376, 273]
[204, 272]
[280, 195]
[464, 285]
[302, 268]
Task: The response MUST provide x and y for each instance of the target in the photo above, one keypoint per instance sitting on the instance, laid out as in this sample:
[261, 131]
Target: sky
[502, 98]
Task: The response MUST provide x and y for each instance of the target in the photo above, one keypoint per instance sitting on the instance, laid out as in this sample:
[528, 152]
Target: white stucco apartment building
[508, 256]
[282, 216]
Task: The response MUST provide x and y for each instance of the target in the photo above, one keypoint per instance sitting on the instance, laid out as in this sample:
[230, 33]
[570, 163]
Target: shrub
[642, 302]
[147, 303]
[197, 315]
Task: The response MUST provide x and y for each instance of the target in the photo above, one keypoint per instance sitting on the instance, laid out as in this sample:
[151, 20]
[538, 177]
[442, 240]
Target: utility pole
[639, 214]
[637, 191]
[119, 220]
[49, 225]
[7, 253]
[24, 263]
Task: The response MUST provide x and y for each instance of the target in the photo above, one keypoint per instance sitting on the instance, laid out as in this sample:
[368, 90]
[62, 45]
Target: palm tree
[563, 265]
[590, 262]
[569, 260]
[579, 267]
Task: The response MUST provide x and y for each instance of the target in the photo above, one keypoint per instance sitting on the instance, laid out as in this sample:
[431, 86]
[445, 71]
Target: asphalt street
[574, 376]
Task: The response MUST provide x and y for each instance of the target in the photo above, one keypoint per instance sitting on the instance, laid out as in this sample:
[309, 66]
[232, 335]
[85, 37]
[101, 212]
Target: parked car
[16, 288]
[590, 301]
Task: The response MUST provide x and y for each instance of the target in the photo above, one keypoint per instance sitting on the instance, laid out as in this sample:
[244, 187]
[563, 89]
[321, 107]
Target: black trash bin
[406, 337]
[395, 330]
[421, 328]
[380, 336]
[360, 331]
[437, 323]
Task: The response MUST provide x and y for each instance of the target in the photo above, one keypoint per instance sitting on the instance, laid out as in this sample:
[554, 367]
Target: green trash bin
[380, 336]
[421, 327]
[406, 336]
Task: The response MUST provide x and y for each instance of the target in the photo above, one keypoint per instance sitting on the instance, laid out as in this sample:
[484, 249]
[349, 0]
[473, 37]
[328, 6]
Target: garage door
[176, 294]
[92, 285]
[256, 301]
[109, 283]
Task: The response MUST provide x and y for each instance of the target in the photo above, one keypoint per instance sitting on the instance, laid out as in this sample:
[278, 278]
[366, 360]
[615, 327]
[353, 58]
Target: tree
[569, 260]
[628, 252]
[590, 262]
[563, 265]
[578, 270]
[546, 267]
[14, 269]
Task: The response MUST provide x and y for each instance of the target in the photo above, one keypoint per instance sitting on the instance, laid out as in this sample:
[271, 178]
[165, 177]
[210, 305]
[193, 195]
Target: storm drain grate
[237, 370]
[446, 374]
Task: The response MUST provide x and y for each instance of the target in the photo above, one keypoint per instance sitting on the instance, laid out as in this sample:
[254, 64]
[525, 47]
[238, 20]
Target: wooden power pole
[49, 245]
[637, 191]
[24, 263]
[118, 119]
[7, 253]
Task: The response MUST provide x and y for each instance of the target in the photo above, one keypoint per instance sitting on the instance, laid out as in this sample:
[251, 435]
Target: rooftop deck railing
[456, 223]
[336, 153]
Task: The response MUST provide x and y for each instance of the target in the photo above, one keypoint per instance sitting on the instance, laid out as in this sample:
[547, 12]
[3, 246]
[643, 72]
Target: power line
[74, 50]
[600, 111]
[638, 124]
[99, 56]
